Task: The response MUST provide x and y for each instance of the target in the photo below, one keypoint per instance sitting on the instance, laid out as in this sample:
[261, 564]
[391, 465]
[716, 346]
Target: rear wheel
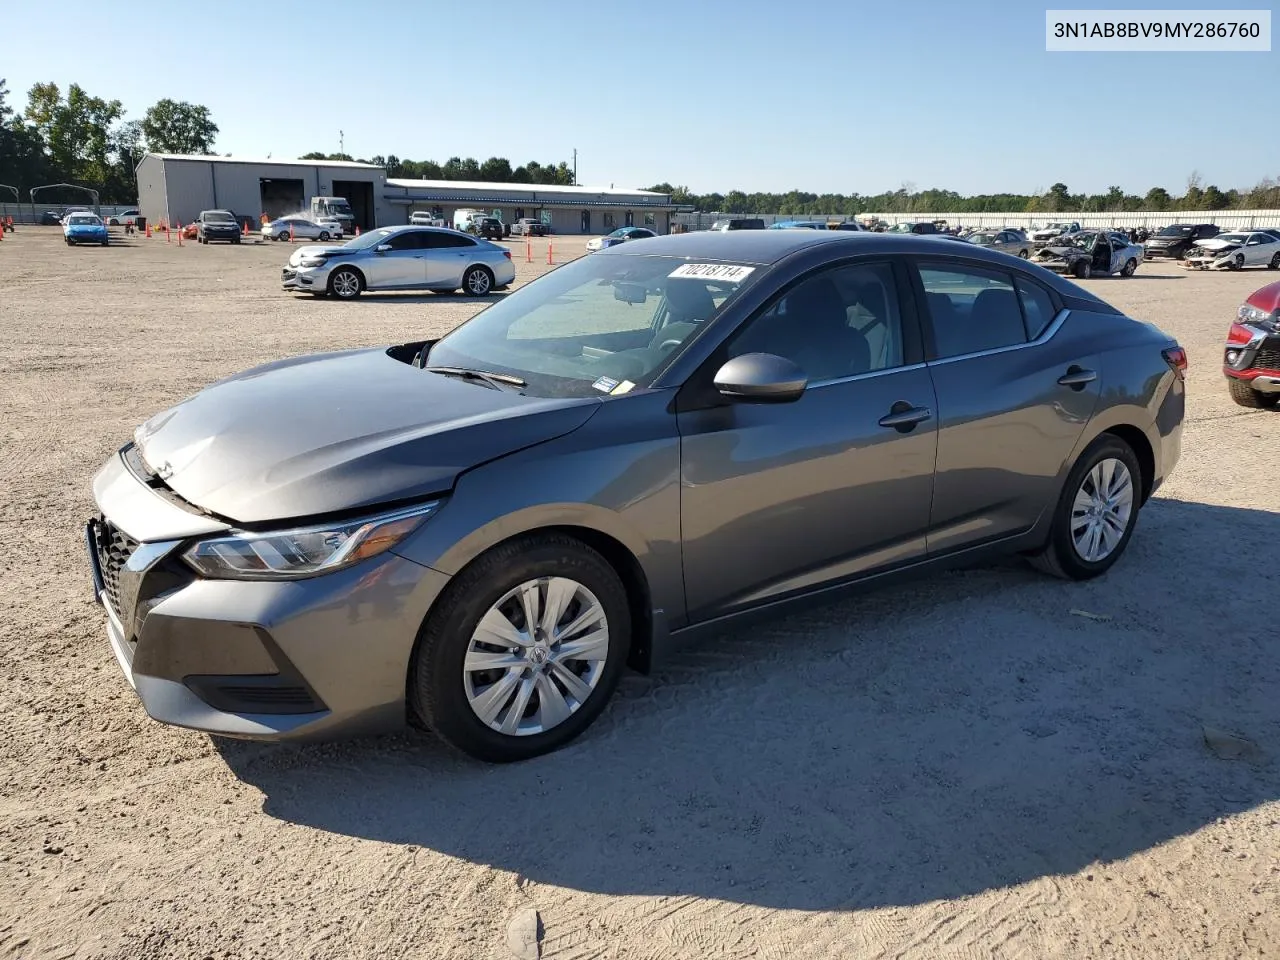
[324, 236]
[1096, 512]
[1024, 253]
[1130, 267]
[1275, 262]
[1244, 394]
[477, 281]
[523, 651]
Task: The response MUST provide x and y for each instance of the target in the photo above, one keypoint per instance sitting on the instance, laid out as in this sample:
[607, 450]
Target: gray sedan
[478, 533]
[401, 258]
[1006, 241]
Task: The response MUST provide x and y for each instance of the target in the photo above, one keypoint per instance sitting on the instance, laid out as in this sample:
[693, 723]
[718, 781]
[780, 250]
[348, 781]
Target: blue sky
[715, 94]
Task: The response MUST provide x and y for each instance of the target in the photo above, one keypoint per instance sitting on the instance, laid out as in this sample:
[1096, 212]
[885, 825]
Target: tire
[236, 241]
[1083, 270]
[1023, 254]
[477, 281]
[1237, 262]
[442, 690]
[1275, 262]
[70, 242]
[106, 243]
[1244, 395]
[324, 236]
[1061, 557]
[1130, 268]
[346, 284]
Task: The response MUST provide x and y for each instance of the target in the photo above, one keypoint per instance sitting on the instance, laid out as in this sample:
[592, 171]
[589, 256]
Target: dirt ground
[985, 764]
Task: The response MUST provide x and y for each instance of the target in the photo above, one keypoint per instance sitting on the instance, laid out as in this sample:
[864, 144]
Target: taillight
[1176, 357]
[507, 254]
[1239, 334]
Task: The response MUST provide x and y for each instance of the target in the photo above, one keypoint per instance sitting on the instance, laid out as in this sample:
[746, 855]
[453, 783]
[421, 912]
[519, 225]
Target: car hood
[1064, 252]
[1216, 244]
[340, 431]
[315, 250]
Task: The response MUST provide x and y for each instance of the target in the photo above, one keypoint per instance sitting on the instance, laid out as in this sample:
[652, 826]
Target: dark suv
[490, 228]
[217, 225]
[1176, 239]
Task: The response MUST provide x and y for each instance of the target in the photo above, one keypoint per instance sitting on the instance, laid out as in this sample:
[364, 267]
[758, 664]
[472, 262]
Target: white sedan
[1232, 251]
[300, 228]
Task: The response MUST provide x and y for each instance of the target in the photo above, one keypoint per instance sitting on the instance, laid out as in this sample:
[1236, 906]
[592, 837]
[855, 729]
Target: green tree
[1214, 199]
[496, 170]
[76, 130]
[179, 127]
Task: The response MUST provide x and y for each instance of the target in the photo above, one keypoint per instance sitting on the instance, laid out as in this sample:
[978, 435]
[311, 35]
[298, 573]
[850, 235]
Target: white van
[463, 218]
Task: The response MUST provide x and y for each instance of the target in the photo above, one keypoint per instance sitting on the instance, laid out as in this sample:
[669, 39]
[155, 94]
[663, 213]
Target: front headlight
[304, 551]
[312, 262]
[1251, 314]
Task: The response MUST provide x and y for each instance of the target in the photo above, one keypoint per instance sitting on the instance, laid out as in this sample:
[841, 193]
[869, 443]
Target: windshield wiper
[495, 380]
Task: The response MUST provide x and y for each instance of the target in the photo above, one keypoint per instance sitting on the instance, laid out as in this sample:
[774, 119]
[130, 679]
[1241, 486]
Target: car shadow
[1151, 276]
[388, 297]
[969, 731]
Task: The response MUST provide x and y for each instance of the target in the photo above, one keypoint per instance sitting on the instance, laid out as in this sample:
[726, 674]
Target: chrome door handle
[1077, 377]
[903, 417]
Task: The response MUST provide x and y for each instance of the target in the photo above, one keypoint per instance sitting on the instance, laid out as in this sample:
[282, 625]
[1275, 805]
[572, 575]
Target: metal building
[175, 187]
[584, 210]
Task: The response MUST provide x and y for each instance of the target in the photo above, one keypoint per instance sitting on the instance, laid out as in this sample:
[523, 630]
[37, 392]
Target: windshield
[620, 232]
[982, 238]
[218, 216]
[370, 239]
[594, 326]
[84, 219]
[901, 228]
[1232, 237]
[1175, 231]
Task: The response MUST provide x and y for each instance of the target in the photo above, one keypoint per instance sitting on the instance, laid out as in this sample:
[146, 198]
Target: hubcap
[479, 282]
[536, 656]
[1102, 510]
[346, 284]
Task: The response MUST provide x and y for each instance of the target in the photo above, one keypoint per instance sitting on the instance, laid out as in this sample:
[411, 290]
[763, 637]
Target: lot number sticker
[712, 271]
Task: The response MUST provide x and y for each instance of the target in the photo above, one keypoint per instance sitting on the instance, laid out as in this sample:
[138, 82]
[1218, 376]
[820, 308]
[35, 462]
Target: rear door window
[971, 309]
[1038, 307]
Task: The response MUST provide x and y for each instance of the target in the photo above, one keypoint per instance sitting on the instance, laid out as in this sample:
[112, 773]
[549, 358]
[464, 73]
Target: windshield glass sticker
[732, 273]
[605, 384]
[623, 387]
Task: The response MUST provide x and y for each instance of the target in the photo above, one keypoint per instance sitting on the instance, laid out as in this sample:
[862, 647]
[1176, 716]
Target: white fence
[30, 212]
[1226, 219]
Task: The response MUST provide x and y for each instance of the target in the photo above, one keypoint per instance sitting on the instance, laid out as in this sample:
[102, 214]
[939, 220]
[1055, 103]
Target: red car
[1252, 358]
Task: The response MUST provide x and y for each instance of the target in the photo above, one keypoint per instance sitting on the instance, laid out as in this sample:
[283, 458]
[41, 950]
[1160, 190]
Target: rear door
[448, 254]
[1013, 398]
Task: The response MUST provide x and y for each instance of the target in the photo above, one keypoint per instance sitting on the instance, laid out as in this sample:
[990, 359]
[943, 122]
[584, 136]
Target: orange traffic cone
[549, 260]
[180, 235]
[168, 234]
[148, 229]
[291, 237]
[245, 231]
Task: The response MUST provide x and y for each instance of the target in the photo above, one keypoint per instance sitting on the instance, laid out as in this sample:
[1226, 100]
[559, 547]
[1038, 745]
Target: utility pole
[575, 166]
[341, 143]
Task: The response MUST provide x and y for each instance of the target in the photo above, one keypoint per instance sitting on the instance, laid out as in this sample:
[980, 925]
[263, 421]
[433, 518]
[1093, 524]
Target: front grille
[1268, 358]
[115, 547]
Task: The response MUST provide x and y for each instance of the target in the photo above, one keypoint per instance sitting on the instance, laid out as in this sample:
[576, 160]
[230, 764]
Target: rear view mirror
[761, 378]
[630, 292]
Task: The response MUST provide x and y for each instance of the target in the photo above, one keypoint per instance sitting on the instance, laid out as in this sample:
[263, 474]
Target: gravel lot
[984, 764]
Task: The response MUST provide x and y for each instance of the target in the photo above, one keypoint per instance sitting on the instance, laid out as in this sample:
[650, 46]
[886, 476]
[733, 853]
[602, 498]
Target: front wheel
[1096, 512]
[523, 651]
[1237, 262]
[477, 281]
[346, 284]
[1275, 262]
[1083, 270]
[324, 236]
[1130, 268]
[1023, 254]
[1244, 395]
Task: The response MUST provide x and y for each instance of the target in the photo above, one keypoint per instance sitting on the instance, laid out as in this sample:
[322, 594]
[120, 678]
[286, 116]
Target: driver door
[404, 265]
[782, 498]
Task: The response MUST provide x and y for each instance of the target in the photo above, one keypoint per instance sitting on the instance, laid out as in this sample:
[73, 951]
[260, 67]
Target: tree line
[1265, 195]
[75, 137]
[493, 170]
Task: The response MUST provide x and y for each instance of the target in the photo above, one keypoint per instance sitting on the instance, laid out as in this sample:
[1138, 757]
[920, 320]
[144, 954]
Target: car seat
[689, 303]
[995, 321]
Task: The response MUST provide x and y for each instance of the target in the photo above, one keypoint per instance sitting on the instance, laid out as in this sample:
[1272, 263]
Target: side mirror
[761, 378]
[382, 248]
